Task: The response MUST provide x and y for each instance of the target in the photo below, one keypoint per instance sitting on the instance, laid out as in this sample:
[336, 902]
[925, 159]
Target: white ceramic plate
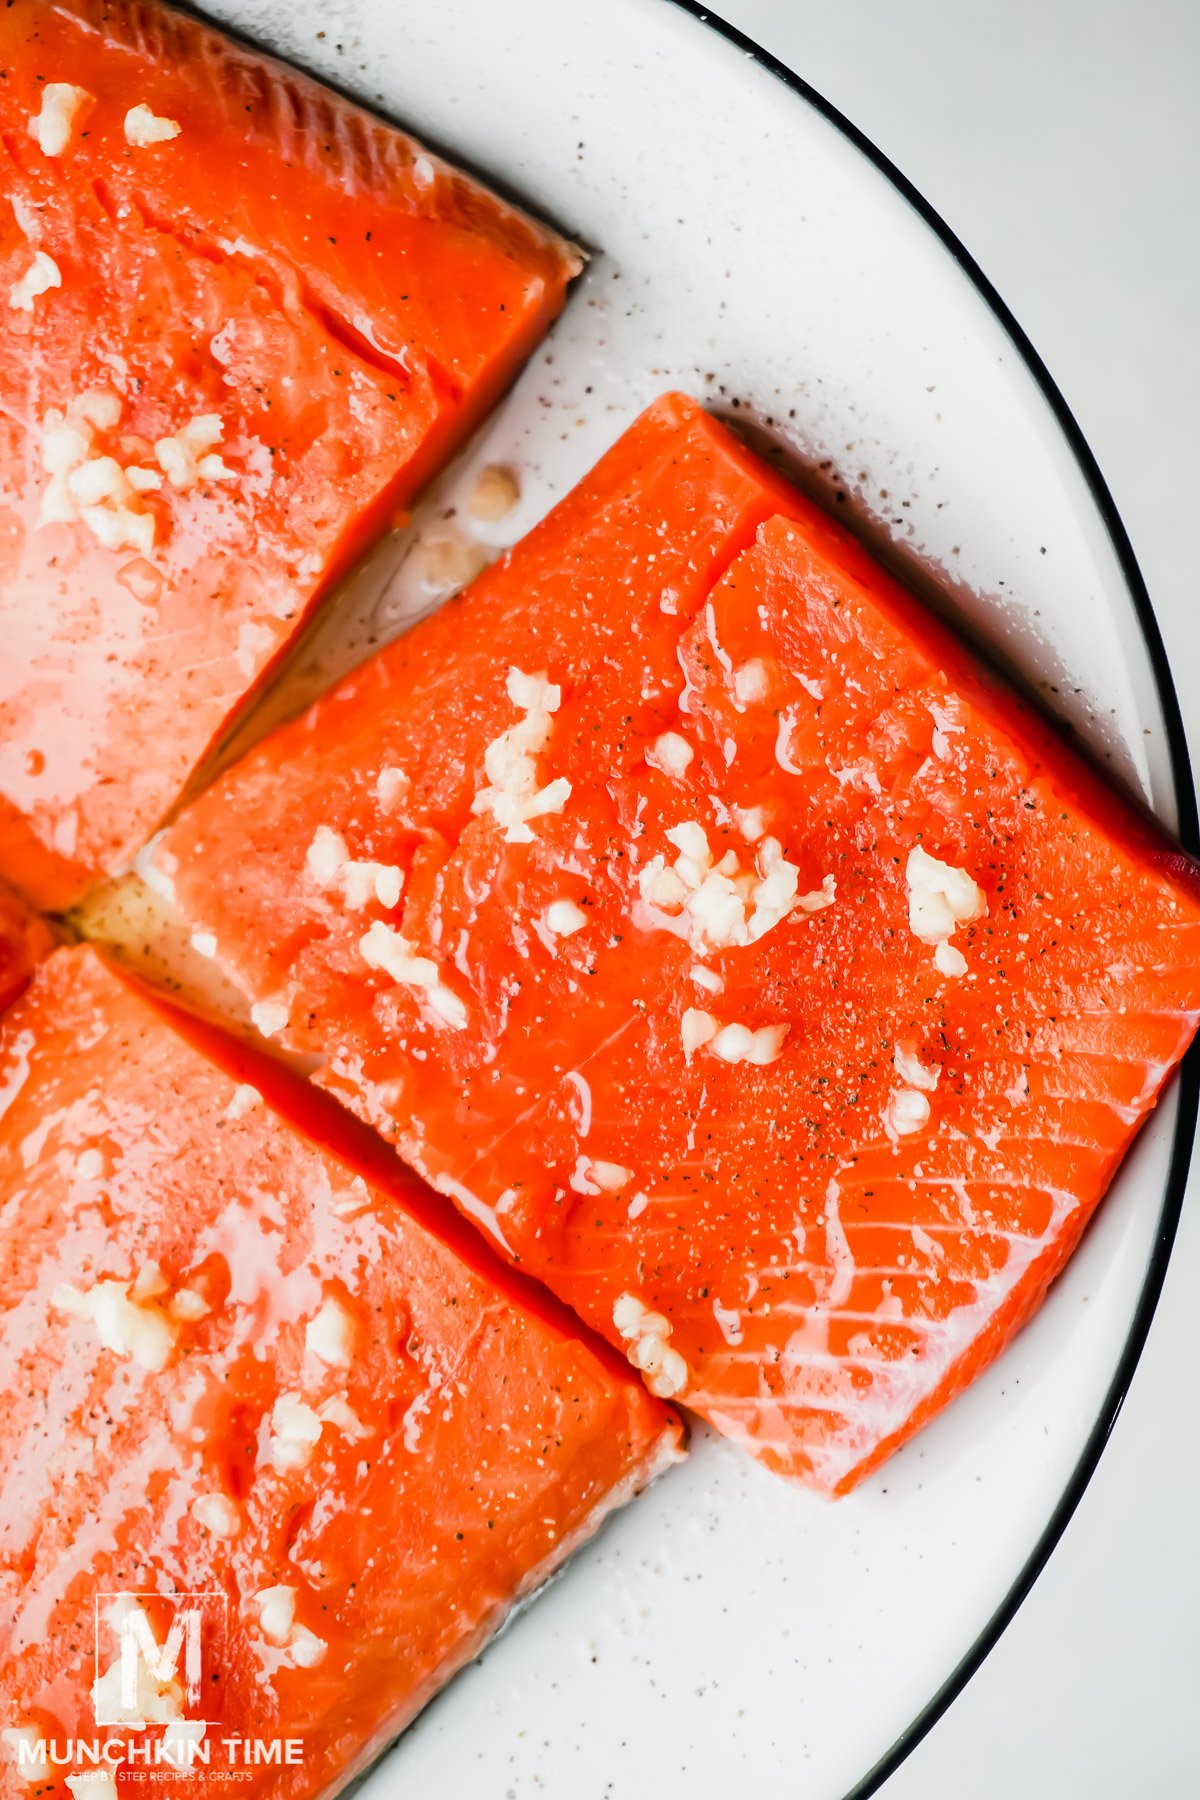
[750, 247]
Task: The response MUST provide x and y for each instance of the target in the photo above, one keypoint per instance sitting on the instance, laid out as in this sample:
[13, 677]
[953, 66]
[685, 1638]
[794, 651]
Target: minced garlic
[53, 125]
[940, 899]
[142, 127]
[720, 904]
[217, 1514]
[646, 1333]
[513, 795]
[277, 1621]
[42, 274]
[329, 1334]
[562, 918]
[135, 1328]
[385, 948]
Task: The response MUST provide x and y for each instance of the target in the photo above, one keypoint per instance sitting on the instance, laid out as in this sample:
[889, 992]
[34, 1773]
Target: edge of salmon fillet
[665, 1454]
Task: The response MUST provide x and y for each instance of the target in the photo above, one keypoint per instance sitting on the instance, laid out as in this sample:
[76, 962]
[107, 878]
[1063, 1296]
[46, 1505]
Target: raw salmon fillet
[686, 904]
[245, 323]
[272, 1370]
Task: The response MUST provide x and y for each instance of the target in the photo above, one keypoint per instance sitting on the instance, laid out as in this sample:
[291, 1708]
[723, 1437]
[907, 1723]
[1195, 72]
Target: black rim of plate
[1188, 1089]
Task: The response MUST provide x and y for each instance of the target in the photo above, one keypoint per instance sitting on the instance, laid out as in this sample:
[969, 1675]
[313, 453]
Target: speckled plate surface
[749, 248]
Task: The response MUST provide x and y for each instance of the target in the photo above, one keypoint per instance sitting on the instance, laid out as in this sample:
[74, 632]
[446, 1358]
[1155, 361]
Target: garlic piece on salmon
[276, 1612]
[27, 1753]
[646, 1334]
[940, 899]
[137, 1330]
[269, 1016]
[120, 528]
[732, 1043]
[57, 507]
[277, 1622]
[820, 897]
[149, 1283]
[721, 905]
[697, 1028]
[363, 882]
[390, 787]
[86, 485]
[245, 1100]
[513, 795]
[326, 856]
[188, 1306]
[42, 274]
[295, 1431]
[907, 1112]
[331, 866]
[660, 886]
[329, 1334]
[181, 456]
[912, 1070]
[447, 1006]
[142, 127]
[774, 896]
[949, 961]
[751, 821]
[215, 468]
[562, 918]
[750, 681]
[99, 407]
[386, 949]
[53, 124]
[339, 1413]
[305, 1648]
[740, 1044]
[100, 478]
[65, 442]
[218, 1514]
[610, 1177]
[671, 753]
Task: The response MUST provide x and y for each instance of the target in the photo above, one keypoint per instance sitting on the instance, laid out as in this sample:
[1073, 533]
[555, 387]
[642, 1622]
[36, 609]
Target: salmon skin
[240, 1365]
[245, 323]
[686, 903]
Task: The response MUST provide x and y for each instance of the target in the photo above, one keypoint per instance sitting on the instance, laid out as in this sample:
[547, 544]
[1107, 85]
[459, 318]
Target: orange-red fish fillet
[776, 988]
[244, 322]
[269, 1368]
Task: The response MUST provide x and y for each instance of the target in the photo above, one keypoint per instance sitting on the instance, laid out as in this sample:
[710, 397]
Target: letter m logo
[146, 1675]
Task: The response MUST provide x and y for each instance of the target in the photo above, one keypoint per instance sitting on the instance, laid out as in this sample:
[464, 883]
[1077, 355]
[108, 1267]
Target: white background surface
[1061, 140]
